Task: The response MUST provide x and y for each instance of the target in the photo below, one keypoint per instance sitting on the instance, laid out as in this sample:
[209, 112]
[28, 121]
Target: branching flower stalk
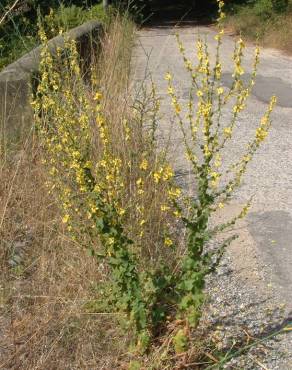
[205, 135]
[117, 192]
[98, 190]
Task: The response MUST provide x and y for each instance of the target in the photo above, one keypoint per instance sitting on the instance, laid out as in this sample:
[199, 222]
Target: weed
[205, 136]
[99, 185]
[110, 191]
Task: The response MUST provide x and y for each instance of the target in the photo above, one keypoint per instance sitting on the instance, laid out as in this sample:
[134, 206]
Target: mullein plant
[205, 135]
[104, 190]
[109, 189]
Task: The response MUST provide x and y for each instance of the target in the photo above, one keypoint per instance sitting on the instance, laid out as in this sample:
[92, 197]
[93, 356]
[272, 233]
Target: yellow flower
[221, 205]
[170, 90]
[261, 134]
[142, 222]
[168, 76]
[238, 108]
[220, 90]
[144, 165]
[177, 108]
[99, 120]
[164, 208]
[181, 47]
[157, 177]
[218, 160]
[168, 173]
[239, 70]
[264, 120]
[111, 241]
[121, 211]
[215, 176]
[177, 214]
[188, 65]
[168, 242]
[227, 131]
[207, 152]
[241, 43]
[65, 219]
[139, 182]
[246, 158]
[97, 96]
[174, 192]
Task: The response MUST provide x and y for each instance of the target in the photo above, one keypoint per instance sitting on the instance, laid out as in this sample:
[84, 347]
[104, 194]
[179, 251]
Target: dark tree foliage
[143, 8]
[280, 6]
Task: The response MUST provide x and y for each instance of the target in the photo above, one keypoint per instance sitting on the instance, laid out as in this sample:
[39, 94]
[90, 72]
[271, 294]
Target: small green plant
[180, 341]
[134, 365]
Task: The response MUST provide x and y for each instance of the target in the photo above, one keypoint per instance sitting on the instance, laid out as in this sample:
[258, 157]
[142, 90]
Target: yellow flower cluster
[207, 133]
[238, 69]
[262, 131]
[64, 116]
[168, 242]
[144, 165]
[163, 174]
[174, 192]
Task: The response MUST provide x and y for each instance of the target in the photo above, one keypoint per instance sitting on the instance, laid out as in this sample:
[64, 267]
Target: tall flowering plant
[117, 193]
[205, 134]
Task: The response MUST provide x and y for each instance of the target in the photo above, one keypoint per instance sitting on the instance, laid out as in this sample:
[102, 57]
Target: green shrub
[97, 12]
[18, 34]
[280, 6]
[69, 17]
[66, 18]
[263, 9]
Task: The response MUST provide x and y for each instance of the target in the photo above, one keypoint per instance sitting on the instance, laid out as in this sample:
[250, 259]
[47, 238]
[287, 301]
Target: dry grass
[280, 34]
[44, 324]
[275, 32]
[50, 317]
[47, 280]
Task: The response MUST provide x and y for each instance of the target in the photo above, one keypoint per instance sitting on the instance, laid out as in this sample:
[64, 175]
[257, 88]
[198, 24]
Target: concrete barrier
[16, 79]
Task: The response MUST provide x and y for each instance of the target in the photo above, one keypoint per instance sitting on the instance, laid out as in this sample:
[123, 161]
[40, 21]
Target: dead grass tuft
[275, 32]
[47, 280]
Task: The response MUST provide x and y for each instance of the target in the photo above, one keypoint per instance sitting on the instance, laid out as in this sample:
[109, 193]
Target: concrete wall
[16, 78]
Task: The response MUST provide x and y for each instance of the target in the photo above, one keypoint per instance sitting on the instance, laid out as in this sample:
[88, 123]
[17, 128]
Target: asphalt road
[268, 227]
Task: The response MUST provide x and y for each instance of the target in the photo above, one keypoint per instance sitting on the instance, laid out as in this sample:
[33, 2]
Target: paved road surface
[263, 254]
